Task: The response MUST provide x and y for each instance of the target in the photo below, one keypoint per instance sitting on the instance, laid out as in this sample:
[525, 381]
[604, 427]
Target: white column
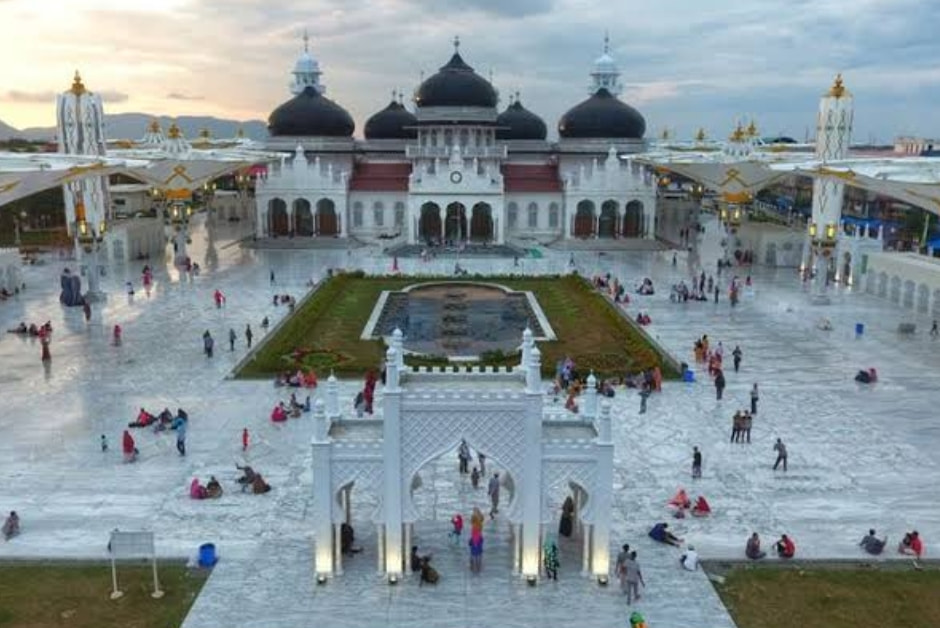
[586, 550]
[338, 548]
[321, 445]
[407, 550]
[531, 485]
[604, 446]
[391, 432]
[590, 398]
[515, 548]
[332, 397]
[93, 274]
[380, 547]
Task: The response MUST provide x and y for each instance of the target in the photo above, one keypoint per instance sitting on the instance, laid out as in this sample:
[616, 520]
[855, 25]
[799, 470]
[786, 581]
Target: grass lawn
[327, 327]
[838, 598]
[77, 596]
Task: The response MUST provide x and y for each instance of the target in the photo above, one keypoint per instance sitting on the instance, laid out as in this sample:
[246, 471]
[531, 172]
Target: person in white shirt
[689, 560]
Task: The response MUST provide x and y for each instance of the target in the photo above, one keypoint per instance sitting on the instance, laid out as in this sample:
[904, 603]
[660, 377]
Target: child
[245, 439]
[104, 443]
[457, 522]
[475, 477]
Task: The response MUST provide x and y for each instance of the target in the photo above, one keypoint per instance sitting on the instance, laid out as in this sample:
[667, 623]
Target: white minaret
[605, 73]
[833, 135]
[80, 124]
[306, 71]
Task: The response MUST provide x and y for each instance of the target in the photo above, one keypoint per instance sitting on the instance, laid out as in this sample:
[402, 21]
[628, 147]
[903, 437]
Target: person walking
[245, 439]
[493, 491]
[717, 292]
[754, 397]
[207, 343]
[265, 323]
[644, 395]
[181, 436]
[736, 426]
[736, 354]
[719, 384]
[620, 566]
[550, 559]
[781, 450]
[104, 443]
[934, 331]
[746, 422]
[231, 339]
[481, 459]
[248, 335]
[696, 463]
[634, 578]
[476, 551]
[463, 455]
[273, 280]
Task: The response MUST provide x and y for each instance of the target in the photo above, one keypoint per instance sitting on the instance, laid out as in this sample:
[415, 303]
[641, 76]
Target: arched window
[512, 215]
[399, 214]
[378, 214]
[532, 216]
[553, 216]
[357, 214]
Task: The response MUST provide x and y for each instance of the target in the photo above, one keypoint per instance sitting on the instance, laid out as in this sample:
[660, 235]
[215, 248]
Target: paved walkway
[860, 456]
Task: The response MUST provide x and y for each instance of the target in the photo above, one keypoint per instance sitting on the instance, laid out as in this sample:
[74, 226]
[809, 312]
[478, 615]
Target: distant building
[916, 146]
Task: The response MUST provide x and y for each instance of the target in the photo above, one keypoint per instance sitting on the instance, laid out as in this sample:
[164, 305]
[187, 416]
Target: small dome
[311, 114]
[602, 116]
[456, 85]
[392, 123]
[605, 63]
[520, 124]
[306, 64]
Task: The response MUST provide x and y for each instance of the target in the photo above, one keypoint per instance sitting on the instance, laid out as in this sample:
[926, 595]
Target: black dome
[456, 85]
[392, 123]
[311, 114]
[521, 124]
[602, 115]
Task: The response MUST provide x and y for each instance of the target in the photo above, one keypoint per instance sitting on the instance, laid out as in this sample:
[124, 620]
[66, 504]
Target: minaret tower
[80, 124]
[605, 74]
[306, 71]
[833, 134]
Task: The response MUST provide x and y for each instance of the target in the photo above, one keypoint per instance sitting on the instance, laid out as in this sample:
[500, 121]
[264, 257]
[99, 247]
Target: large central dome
[311, 114]
[456, 85]
[602, 116]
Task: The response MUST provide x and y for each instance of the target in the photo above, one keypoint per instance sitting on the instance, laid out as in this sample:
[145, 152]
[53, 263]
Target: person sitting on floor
[872, 544]
[911, 545]
[196, 490]
[785, 547]
[428, 573]
[11, 527]
[661, 533]
[213, 488]
[129, 448]
[279, 413]
[247, 478]
[689, 560]
[867, 377]
[259, 486]
[752, 550]
[144, 419]
[701, 507]
[680, 500]
[21, 329]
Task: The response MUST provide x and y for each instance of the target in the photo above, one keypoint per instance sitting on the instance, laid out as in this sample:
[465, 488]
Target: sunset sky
[685, 63]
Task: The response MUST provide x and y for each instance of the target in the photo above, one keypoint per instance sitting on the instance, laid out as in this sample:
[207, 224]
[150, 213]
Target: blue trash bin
[207, 556]
[859, 329]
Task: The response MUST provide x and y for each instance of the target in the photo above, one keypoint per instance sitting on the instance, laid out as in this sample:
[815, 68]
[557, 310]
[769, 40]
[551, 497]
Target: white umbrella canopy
[23, 174]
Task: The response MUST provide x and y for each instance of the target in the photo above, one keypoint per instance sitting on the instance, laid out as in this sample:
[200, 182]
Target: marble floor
[860, 456]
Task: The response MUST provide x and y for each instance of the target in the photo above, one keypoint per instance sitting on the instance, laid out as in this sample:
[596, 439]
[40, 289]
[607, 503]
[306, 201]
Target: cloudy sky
[685, 63]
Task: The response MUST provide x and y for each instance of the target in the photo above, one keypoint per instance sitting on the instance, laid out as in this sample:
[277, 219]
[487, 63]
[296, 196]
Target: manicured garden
[834, 598]
[323, 333]
[77, 596]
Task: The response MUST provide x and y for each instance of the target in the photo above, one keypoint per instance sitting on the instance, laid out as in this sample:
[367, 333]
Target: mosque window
[464, 137]
[378, 214]
[533, 216]
[399, 214]
[448, 138]
[357, 214]
[512, 215]
[433, 138]
[553, 216]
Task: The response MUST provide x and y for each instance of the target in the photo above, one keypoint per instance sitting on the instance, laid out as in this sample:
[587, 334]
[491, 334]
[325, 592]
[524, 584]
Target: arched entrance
[327, 221]
[633, 220]
[455, 223]
[584, 220]
[607, 224]
[429, 225]
[278, 220]
[303, 217]
[847, 268]
[481, 223]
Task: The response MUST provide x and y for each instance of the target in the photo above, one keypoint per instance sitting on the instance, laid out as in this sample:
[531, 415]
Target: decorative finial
[665, 134]
[306, 41]
[752, 129]
[456, 43]
[700, 136]
[240, 133]
[205, 133]
[401, 97]
[517, 96]
[394, 95]
[738, 134]
[78, 87]
[606, 42]
[838, 89]
[174, 132]
[154, 126]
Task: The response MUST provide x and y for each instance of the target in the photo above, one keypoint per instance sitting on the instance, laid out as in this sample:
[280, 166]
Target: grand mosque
[455, 169]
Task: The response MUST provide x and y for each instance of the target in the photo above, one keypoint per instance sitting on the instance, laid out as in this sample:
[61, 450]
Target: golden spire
[154, 126]
[700, 136]
[752, 129]
[78, 88]
[665, 134]
[205, 134]
[738, 134]
[174, 133]
[837, 90]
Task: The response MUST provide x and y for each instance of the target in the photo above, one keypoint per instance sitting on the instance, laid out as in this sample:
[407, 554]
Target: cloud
[182, 96]
[29, 97]
[113, 96]
[503, 8]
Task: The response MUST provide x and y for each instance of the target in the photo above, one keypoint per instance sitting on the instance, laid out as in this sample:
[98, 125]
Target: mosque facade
[454, 168]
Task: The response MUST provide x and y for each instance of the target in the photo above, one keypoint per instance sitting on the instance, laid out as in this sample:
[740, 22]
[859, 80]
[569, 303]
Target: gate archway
[584, 220]
[278, 220]
[303, 217]
[481, 223]
[327, 220]
[429, 224]
[633, 220]
[607, 223]
[455, 223]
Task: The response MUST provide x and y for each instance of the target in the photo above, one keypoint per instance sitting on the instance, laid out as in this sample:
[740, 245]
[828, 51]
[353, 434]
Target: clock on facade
[456, 177]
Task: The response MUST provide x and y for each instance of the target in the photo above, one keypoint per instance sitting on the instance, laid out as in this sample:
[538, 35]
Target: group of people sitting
[298, 379]
[680, 503]
[785, 547]
[867, 377]
[284, 299]
[212, 489]
[32, 330]
[160, 422]
[6, 294]
[252, 480]
[682, 294]
[292, 408]
[613, 287]
[422, 565]
[646, 287]
[642, 318]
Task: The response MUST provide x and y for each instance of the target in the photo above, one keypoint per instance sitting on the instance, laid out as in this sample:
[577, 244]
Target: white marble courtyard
[860, 457]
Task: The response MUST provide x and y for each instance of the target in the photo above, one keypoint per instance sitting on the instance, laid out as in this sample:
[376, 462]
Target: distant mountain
[133, 126]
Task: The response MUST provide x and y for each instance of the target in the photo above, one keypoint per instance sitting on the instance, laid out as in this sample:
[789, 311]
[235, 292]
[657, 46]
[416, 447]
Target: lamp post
[822, 240]
[179, 214]
[17, 226]
[89, 240]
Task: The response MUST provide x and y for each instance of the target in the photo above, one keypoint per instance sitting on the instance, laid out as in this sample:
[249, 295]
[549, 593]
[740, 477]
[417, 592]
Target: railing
[467, 152]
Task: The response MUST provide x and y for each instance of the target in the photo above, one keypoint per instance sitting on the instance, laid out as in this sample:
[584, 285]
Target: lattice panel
[556, 475]
[368, 478]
